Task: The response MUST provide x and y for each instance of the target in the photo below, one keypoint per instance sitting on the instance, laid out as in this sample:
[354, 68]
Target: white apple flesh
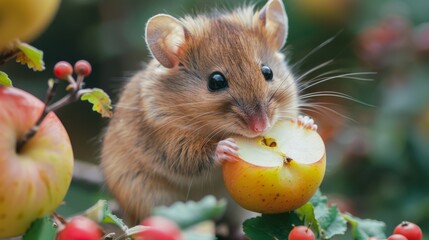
[277, 172]
[35, 179]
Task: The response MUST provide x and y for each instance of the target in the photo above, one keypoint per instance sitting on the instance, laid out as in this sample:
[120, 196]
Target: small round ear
[273, 17]
[164, 34]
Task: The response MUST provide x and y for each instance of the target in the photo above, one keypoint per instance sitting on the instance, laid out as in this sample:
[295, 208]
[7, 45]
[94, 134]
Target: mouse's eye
[267, 72]
[217, 81]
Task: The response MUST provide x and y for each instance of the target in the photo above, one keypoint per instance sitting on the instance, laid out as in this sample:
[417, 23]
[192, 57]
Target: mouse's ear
[164, 34]
[273, 17]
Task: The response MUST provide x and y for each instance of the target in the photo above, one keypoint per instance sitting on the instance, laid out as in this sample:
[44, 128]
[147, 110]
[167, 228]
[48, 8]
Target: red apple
[277, 172]
[35, 179]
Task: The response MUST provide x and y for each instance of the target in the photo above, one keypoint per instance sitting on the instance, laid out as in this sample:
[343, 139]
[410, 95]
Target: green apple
[24, 19]
[277, 172]
[35, 179]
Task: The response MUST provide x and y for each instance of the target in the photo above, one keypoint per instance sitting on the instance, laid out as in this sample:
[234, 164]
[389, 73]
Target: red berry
[397, 237]
[82, 67]
[410, 230]
[160, 229]
[80, 228]
[62, 70]
[301, 233]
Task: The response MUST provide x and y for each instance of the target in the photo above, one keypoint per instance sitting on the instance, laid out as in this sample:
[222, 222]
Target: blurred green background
[378, 156]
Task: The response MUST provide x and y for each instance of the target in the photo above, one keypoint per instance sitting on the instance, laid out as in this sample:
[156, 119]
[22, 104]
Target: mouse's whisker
[325, 111]
[320, 66]
[348, 76]
[314, 50]
[285, 78]
[333, 94]
[214, 132]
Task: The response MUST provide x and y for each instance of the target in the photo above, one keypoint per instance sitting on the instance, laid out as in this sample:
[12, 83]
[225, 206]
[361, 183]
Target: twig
[30, 133]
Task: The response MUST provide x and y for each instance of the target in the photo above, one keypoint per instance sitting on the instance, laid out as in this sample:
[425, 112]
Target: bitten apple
[35, 178]
[277, 172]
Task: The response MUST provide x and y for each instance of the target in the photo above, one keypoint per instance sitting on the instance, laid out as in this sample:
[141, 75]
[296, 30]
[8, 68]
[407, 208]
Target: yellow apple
[34, 179]
[24, 19]
[277, 172]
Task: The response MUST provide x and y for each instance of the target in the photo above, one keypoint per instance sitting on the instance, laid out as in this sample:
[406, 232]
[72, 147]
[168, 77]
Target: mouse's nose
[259, 123]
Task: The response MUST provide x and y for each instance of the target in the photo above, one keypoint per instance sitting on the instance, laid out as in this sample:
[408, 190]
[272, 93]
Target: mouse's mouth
[250, 133]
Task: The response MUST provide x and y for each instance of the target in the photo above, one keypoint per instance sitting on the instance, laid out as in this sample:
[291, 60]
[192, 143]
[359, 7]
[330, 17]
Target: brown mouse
[212, 77]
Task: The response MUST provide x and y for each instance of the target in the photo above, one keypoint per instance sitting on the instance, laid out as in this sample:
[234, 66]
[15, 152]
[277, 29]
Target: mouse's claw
[307, 122]
[226, 150]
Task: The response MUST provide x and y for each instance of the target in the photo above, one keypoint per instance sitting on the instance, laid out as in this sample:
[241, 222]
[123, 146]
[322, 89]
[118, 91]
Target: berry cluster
[63, 70]
[406, 231]
[83, 228]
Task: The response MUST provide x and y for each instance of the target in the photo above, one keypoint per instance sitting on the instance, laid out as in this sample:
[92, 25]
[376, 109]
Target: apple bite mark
[277, 172]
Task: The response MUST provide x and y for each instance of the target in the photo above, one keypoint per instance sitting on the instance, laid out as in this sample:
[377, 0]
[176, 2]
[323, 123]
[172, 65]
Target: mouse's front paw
[226, 150]
[307, 122]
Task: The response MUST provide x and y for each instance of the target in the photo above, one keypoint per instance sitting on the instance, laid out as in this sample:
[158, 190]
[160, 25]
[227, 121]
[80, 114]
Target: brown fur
[161, 140]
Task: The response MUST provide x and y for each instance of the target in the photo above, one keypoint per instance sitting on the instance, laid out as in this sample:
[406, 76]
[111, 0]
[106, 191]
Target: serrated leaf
[362, 229]
[332, 223]
[100, 100]
[101, 213]
[271, 226]
[5, 80]
[30, 56]
[324, 220]
[189, 213]
[41, 229]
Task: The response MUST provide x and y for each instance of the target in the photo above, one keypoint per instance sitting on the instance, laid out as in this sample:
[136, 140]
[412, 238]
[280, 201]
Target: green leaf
[362, 229]
[100, 100]
[189, 213]
[30, 56]
[324, 220]
[271, 226]
[332, 223]
[101, 213]
[5, 80]
[41, 229]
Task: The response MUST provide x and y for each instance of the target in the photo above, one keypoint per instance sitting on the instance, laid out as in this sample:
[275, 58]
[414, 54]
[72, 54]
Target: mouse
[211, 77]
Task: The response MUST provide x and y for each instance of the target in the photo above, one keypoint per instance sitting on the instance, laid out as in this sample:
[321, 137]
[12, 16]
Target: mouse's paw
[226, 150]
[307, 122]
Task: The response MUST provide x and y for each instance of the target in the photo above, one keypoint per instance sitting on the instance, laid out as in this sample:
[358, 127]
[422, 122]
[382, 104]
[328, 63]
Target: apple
[24, 19]
[277, 172]
[34, 179]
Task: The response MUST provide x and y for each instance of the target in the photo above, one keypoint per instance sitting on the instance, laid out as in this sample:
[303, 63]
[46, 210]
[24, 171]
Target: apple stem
[59, 219]
[30, 133]
[73, 96]
[8, 56]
